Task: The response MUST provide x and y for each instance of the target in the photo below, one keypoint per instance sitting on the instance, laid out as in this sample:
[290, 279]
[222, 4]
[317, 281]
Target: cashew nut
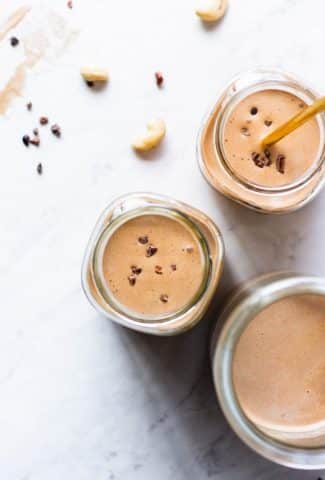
[211, 10]
[156, 132]
[91, 74]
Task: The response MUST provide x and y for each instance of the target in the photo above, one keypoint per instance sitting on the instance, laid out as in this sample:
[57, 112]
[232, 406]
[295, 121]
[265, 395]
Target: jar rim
[113, 226]
[236, 315]
[299, 90]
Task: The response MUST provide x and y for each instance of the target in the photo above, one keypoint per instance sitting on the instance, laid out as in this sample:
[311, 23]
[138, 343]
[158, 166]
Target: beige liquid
[13, 20]
[47, 33]
[169, 279]
[279, 366]
[244, 130]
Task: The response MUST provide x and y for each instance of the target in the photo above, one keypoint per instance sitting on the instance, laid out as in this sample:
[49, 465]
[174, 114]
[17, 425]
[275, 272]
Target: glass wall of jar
[297, 447]
[217, 167]
[153, 264]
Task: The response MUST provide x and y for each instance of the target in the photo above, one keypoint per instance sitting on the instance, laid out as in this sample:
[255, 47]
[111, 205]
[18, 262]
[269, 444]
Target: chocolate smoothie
[154, 264]
[279, 365]
[250, 121]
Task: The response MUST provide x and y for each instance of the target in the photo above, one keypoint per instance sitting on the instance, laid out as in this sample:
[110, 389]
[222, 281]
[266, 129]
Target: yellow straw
[294, 122]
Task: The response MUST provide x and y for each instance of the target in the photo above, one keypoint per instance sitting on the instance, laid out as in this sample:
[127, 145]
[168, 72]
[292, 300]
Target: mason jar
[302, 448]
[213, 160]
[137, 207]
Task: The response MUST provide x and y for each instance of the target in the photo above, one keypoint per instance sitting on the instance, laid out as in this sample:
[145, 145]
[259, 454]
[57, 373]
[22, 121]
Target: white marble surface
[81, 398]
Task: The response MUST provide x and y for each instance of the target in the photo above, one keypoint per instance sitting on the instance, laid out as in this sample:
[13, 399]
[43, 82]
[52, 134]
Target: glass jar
[211, 157]
[303, 450]
[203, 230]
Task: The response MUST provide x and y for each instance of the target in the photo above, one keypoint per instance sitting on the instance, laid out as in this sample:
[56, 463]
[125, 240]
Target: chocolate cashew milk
[153, 264]
[250, 121]
[279, 365]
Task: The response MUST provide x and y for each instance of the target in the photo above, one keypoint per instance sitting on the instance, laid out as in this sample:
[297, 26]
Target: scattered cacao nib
[29, 106]
[14, 41]
[151, 250]
[244, 131]
[267, 153]
[268, 123]
[70, 4]
[132, 280]
[26, 140]
[35, 141]
[56, 130]
[254, 110]
[89, 83]
[164, 298]
[173, 267]
[189, 249]
[158, 270]
[136, 270]
[39, 169]
[280, 163]
[255, 156]
[36, 132]
[43, 120]
[143, 239]
[159, 79]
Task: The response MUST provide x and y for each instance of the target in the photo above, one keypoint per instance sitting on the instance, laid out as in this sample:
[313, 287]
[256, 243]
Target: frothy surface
[170, 276]
[279, 364]
[251, 120]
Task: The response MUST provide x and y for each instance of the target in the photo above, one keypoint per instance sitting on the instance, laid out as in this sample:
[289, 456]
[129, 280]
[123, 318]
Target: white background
[81, 398]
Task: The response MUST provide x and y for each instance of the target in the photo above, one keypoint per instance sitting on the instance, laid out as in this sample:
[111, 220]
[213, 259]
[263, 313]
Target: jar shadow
[181, 410]
[257, 243]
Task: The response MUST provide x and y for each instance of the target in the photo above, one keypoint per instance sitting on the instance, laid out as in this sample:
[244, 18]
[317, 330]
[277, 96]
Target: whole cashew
[211, 10]
[92, 74]
[155, 134]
